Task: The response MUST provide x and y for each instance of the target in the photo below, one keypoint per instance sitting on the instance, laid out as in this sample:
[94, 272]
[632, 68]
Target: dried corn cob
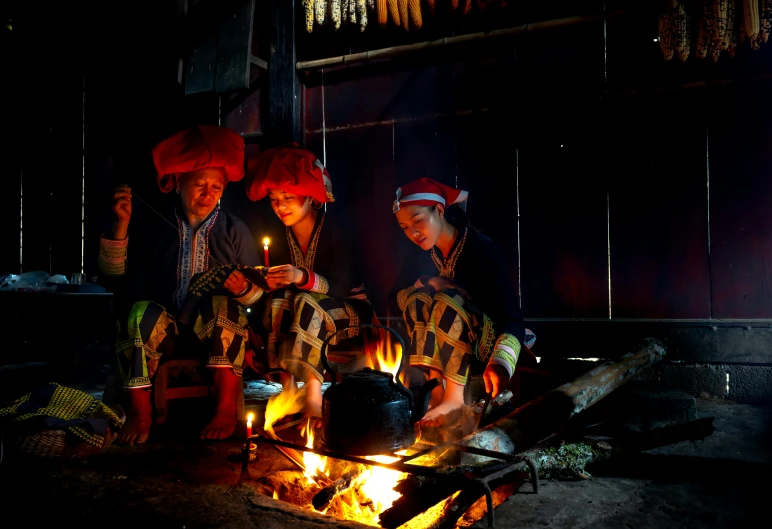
[320, 10]
[666, 26]
[403, 14]
[432, 5]
[352, 11]
[703, 31]
[383, 14]
[394, 11]
[467, 6]
[751, 18]
[732, 27]
[682, 37]
[454, 4]
[309, 5]
[362, 12]
[371, 5]
[414, 7]
[335, 13]
[766, 20]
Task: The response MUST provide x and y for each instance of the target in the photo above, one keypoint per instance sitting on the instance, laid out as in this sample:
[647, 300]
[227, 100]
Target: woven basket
[54, 444]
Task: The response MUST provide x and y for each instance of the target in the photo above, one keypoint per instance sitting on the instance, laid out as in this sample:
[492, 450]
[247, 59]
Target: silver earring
[178, 190]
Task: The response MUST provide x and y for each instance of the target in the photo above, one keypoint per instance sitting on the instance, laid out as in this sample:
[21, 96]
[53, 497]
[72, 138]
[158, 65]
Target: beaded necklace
[298, 259]
[447, 269]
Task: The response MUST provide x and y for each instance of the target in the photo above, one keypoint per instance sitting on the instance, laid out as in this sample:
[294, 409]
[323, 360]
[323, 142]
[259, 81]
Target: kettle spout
[421, 398]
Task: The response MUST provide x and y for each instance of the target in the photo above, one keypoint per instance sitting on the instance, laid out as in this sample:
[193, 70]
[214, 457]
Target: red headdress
[291, 168]
[199, 147]
[427, 192]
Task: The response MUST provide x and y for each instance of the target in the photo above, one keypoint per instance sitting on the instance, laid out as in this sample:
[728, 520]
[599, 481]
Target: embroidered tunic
[477, 265]
[160, 261]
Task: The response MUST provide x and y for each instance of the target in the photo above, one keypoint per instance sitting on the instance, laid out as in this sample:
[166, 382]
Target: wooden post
[283, 84]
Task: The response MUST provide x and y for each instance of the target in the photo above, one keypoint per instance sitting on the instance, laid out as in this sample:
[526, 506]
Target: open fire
[367, 491]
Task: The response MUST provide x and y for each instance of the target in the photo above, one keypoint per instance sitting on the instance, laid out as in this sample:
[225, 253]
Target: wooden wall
[593, 161]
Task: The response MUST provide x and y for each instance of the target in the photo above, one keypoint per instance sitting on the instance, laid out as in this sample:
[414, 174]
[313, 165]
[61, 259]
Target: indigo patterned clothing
[450, 328]
[295, 321]
[218, 337]
[150, 273]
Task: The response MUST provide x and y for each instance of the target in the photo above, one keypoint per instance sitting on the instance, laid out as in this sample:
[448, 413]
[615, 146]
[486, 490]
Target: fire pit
[353, 469]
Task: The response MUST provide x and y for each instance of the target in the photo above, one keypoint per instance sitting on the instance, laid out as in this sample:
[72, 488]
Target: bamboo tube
[447, 42]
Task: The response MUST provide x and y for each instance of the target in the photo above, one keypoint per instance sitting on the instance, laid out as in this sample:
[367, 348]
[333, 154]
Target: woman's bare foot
[137, 427]
[221, 426]
[449, 410]
[313, 403]
[438, 393]
[224, 422]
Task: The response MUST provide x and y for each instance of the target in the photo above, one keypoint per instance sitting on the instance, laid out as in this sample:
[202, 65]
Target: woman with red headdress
[151, 282]
[315, 285]
[455, 296]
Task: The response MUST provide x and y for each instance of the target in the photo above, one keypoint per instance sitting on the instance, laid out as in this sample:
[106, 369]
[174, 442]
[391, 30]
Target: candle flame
[250, 418]
[266, 242]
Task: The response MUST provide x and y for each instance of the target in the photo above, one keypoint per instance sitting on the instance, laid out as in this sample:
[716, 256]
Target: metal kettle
[371, 412]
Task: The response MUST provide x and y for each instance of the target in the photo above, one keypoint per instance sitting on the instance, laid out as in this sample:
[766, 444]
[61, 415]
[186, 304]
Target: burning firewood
[324, 497]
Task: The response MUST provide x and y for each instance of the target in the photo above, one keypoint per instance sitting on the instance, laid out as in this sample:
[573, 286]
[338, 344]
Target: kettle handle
[373, 326]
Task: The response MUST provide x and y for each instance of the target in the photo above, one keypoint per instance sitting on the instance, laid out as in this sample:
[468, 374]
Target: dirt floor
[178, 481]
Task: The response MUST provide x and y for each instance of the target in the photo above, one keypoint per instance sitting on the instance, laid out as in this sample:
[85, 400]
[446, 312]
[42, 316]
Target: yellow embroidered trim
[487, 339]
[447, 268]
[507, 348]
[296, 254]
[402, 296]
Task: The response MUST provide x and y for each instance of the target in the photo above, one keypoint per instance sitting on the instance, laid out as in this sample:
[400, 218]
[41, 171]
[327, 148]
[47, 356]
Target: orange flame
[314, 463]
[387, 357]
[288, 402]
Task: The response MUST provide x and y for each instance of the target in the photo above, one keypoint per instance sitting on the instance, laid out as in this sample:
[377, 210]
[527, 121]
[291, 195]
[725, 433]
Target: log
[541, 417]
[324, 497]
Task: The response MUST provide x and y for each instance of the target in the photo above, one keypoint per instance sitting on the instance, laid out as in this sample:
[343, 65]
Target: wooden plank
[715, 341]
[424, 149]
[658, 210]
[284, 123]
[484, 153]
[201, 66]
[363, 181]
[740, 136]
[563, 231]
[234, 50]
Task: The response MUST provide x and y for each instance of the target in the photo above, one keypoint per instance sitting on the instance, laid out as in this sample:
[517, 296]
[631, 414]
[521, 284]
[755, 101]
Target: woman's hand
[283, 276]
[441, 283]
[236, 283]
[496, 379]
[121, 208]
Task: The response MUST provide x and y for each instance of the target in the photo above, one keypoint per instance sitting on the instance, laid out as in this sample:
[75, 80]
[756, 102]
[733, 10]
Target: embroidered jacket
[478, 265]
[156, 262]
[331, 258]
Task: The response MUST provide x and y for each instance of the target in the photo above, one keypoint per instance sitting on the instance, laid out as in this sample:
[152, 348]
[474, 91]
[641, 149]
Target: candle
[249, 424]
[266, 241]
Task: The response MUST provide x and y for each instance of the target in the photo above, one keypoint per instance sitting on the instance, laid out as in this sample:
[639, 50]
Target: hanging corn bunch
[751, 20]
[335, 13]
[403, 14]
[320, 10]
[383, 13]
[394, 12]
[362, 13]
[766, 20]
[732, 27]
[667, 29]
[414, 7]
[705, 27]
[467, 6]
[309, 10]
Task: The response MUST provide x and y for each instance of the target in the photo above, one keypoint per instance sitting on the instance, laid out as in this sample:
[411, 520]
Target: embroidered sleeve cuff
[315, 283]
[403, 294]
[253, 294]
[505, 353]
[112, 256]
